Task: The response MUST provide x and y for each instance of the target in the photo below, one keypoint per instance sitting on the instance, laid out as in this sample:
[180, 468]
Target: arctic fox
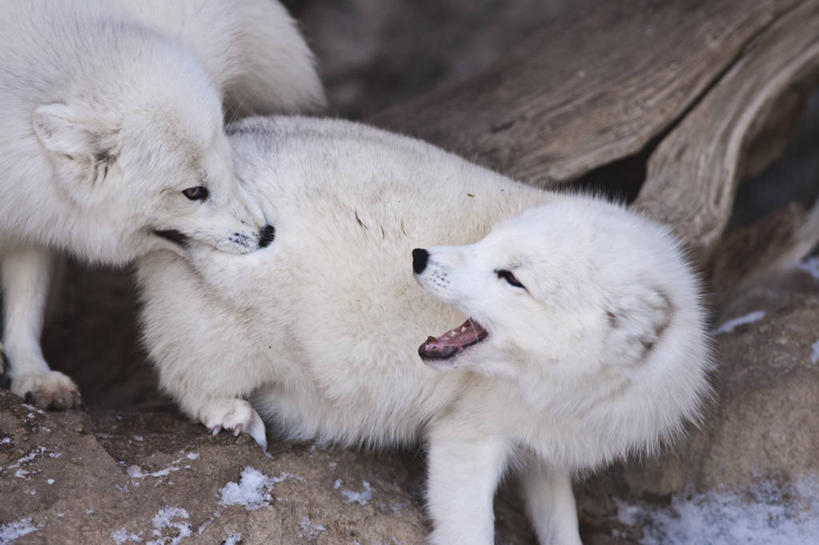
[112, 143]
[582, 336]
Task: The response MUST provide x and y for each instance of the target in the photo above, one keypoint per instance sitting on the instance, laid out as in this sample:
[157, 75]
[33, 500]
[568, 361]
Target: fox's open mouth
[173, 235]
[453, 341]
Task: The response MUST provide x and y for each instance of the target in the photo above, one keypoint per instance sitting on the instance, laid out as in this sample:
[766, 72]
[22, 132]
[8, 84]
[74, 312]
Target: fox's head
[145, 162]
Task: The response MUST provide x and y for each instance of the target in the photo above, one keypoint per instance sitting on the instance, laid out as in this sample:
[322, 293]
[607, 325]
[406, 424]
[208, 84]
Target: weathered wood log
[588, 91]
[693, 174]
[715, 87]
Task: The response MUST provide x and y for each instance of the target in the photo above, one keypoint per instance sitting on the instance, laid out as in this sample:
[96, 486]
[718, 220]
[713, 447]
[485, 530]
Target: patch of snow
[337, 484]
[310, 528]
[814, 357]
[730, 325]
[135, 472]
[232, 539]
[50, 481]
[251, 490]
[12, 531]
[90, 511]
[165, 520]
[765, 513]
[54, 454]
[5, 440]
[207, 522]
[138, 438]
[193, 456]
[29, 457]
[122, 536]
[284, 476]
[361, 498]
[33, 408]
[21, 474]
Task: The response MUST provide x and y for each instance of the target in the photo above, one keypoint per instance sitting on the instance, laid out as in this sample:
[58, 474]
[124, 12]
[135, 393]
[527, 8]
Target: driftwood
[693, 175]
[689, 84]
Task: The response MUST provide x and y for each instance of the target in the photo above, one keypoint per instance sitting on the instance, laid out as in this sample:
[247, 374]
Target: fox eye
[509, 277]
[198, 193]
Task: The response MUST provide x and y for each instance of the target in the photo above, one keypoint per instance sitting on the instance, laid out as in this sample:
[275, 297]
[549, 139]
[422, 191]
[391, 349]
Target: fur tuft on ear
[62, 129]
[637, 319]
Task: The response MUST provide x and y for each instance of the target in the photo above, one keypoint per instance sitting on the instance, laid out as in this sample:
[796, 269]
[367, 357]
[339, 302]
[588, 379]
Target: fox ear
[637, 320]
[62, 129]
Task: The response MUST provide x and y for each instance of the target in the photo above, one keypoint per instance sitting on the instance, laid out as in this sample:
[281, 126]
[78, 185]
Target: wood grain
[588, 91]
[693, 174]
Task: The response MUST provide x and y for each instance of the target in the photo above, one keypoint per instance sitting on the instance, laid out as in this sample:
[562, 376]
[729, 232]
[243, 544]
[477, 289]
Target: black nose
[266, 236]
[419, 260]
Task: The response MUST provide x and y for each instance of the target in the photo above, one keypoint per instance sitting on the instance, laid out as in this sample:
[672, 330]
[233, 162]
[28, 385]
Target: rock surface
[97, 478]
[154, 477]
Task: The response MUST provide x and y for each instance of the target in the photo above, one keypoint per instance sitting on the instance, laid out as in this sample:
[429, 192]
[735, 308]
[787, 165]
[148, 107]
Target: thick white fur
[602, 354]
[108, 110]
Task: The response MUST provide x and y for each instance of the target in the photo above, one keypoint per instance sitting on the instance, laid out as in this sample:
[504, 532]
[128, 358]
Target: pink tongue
[453, 341]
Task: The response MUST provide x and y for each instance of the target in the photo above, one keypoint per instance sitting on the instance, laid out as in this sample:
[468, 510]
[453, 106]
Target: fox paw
[49, 390]
[234, 415]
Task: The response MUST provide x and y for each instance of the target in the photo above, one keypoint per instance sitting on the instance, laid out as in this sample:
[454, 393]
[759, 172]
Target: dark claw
[29, 398]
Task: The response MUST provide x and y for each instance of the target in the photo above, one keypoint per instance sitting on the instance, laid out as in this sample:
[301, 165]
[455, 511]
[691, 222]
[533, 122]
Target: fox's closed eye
[198, 193]
[509, 277]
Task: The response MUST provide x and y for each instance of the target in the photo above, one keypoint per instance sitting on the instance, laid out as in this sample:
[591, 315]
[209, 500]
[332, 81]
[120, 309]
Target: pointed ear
[637, 320]
[64, 130]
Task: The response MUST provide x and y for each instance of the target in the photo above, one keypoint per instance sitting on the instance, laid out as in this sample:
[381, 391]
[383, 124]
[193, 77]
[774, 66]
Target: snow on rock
[123, 536]
[29, 457]
[814, 357]
[311, 529]
[361, 498]
[251, 490]
[12, 531]
[135, 472]
[762, 514]
[165, 522]
[233, 539]
[730, 325]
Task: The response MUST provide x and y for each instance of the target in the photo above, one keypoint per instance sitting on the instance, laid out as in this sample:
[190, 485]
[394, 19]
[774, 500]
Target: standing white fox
[112, 142]
[585, 342]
